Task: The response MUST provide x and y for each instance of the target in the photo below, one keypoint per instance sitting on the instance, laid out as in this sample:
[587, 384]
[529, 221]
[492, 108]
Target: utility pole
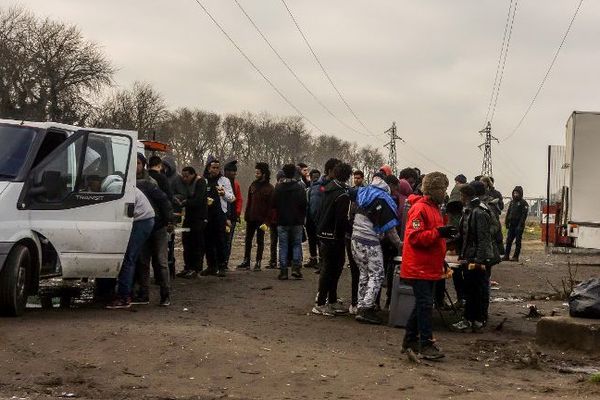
[486, 165]
[391, 146]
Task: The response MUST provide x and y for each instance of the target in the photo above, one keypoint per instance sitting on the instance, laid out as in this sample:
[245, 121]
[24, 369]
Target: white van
[66, 205]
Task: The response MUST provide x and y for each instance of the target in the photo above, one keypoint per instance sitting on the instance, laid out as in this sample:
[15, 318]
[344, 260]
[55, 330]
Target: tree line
[50, 72]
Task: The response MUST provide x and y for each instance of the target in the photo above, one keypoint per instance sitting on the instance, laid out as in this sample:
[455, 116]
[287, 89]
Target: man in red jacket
[423, 261]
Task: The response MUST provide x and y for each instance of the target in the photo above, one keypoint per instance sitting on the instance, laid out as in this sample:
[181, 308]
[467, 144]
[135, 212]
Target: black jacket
[196, 207]
[163, 182]
[333, 216]
[289, 202]
[517, 211]
[477, 244]
[159, 200]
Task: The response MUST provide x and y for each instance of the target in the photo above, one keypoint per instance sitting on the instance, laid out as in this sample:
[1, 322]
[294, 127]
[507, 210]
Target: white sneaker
[325, 309]
[352, 310]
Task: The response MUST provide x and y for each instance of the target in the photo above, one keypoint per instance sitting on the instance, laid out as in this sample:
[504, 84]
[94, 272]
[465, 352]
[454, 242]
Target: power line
[427, 158]
[275, 88]
[547, 73]
[324, 70]
[512, 21]
[501, 61]
[289, 68]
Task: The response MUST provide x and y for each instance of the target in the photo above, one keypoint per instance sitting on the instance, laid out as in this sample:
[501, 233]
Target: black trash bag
[584, 301]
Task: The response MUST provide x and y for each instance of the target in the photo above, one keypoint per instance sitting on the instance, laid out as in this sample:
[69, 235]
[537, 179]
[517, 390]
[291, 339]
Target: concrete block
[569, 333]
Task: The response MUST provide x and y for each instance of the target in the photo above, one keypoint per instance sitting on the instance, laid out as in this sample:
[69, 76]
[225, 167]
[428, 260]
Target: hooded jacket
[178, 187]
[517, 212]
[424, 249]
[258, 206]
[315, 197]
[477, 244]
[196, 210]
[289, 202]
[333, 222]
[159, 200]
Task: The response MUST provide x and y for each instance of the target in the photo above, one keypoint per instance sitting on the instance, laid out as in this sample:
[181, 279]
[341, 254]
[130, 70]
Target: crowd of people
[406, 225]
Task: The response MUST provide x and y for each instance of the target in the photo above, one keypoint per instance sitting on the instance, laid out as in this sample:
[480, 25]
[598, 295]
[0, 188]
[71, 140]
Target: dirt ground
[250, 336]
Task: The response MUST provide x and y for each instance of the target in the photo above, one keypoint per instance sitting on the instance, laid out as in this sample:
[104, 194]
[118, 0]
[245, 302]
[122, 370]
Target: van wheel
[13, 282]
[46, 302]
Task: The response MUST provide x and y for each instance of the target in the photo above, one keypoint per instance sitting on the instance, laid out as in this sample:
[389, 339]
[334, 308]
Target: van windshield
[15, 142]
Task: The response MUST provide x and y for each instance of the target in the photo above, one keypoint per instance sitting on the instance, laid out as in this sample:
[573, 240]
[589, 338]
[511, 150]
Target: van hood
[3, 185]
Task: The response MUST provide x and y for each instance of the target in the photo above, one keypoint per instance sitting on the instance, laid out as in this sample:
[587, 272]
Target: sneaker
[325, 309]
[410, 344]
[257, 267]
[244, 265]
[118, 303]
[352, 310]
[189, 274]
[283, 274]
[165, 301]
[339, 308]
[181, 274]
[368, 316]
[462, 326]
[140, 301]
[477, 326]
[431, 352]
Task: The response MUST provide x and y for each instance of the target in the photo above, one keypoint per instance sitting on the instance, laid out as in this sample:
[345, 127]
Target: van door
[81, 198]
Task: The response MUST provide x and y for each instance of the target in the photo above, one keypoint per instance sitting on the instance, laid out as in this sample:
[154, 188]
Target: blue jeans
[287, 235]
[419, 325]
[140, 232]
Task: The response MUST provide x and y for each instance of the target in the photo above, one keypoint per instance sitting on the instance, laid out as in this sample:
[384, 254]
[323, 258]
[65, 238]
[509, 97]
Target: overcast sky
[429, 65]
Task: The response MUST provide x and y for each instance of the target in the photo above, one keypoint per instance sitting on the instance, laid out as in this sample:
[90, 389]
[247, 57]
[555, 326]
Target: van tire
[13, 282]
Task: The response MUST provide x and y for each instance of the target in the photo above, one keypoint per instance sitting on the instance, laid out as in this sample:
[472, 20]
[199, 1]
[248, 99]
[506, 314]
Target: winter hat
[386, 169]
[231, 166]
[142, 158]
[478, 187]
[461, 179]
[434, 182]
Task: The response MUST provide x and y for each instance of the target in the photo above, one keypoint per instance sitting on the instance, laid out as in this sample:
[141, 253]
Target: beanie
[478, 187]
[434, 181]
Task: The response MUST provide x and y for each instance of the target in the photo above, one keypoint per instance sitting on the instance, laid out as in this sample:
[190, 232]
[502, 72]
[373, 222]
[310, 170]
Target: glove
[448, 231]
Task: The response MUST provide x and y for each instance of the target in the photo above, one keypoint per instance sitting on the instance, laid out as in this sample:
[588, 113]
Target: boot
[283, 274]
[368, 316]
[296, 272]
[257, 266]
[244, 265]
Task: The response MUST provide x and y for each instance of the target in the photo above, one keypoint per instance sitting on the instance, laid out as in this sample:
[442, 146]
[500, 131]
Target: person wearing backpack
[478, 253]
[331, 231]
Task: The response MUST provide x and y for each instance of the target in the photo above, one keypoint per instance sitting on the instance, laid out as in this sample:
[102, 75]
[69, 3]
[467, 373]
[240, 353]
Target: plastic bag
[584, 301]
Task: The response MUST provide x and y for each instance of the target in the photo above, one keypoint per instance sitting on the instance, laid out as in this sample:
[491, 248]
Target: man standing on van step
[194, 221]
[257, 215]
[423, 257]
[331, 230]
[156, 248]
[143, 222]
[219, 195]
[234, 210]
[289, 202]
[515, 223]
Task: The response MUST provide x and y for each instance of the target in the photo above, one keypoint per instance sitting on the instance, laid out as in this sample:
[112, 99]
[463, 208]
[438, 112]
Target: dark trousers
[171, 255]
[193, 249]
[354, 272]
[516, 235]
[229, 239]
[155, 252]
[475, 288]
[215, 239]
[439, 293]
[274, 244]
[253, 227]
[333, 256]
[419, 325]
[313, 241]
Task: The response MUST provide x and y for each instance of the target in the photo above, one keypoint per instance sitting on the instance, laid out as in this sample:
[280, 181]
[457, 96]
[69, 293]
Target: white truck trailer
[582, 164]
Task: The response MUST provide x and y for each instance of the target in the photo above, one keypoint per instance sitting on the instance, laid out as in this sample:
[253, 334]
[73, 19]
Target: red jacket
[424, 249]
[239, 201]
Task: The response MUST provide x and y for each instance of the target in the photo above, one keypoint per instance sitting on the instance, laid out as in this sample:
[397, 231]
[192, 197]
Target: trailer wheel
[13, 282]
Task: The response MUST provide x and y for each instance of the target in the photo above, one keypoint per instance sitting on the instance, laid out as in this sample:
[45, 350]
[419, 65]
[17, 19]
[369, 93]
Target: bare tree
[48, 71]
